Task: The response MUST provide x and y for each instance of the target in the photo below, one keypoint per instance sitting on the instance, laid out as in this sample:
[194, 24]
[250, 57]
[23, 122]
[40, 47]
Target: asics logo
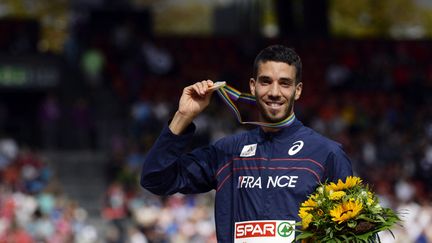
[297, 146]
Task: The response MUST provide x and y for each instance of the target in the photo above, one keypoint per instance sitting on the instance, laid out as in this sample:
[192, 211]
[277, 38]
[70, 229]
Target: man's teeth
[274, 104]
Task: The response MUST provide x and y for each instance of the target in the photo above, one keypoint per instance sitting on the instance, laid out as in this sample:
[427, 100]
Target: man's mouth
[274, 105]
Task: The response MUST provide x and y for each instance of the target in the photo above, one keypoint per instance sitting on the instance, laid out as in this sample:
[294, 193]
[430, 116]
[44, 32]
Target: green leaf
[304, 235]
[345, 238]
[339, 227]
[366, 218]
[352, 224]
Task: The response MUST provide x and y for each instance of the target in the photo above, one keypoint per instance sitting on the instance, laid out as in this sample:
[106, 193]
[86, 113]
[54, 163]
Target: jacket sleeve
[338, 165]
[167, 169]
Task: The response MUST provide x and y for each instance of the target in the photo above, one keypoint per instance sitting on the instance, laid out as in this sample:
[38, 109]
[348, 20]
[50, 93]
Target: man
[260, 176]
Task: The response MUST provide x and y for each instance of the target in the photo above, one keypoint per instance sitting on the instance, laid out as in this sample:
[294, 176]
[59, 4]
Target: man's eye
[286, 83]
[265, 81]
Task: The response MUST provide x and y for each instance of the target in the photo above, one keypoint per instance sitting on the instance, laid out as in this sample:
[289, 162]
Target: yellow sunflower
[350, 182]
[336, 195]
[306, 207]
[306, 220]
[346, 210]
[303, 212]
[310, 203]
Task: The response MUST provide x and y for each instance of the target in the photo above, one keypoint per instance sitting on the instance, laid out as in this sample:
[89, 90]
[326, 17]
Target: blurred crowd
[372, 96]
[33, 207]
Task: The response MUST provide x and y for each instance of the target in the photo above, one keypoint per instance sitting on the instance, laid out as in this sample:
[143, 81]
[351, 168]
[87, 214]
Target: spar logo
[265, 229]
[255, 229]
[285, 229]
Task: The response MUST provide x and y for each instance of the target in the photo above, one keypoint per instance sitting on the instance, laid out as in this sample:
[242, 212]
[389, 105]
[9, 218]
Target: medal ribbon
[230, 95]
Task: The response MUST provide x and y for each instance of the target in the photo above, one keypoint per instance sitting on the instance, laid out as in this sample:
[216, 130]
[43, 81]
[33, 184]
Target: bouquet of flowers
[344, 212]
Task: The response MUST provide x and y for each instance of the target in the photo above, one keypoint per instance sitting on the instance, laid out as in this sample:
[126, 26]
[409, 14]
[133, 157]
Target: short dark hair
[279, 53]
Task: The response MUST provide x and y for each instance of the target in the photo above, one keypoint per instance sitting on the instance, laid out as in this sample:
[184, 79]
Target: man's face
[275, 90]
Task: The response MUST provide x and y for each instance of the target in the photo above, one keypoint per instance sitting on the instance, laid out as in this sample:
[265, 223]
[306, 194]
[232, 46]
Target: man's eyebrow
[286, 79]
[263, 77]
[281, 79]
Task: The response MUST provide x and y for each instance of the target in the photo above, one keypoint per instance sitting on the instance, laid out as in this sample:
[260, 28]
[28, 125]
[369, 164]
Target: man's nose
[274, 90]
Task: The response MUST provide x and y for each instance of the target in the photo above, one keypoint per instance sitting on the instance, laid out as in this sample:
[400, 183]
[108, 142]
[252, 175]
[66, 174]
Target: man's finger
[204, 85]
[196, 89]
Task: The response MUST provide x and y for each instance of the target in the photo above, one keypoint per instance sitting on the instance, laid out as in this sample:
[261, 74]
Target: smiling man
[276, 86]
[260, 176]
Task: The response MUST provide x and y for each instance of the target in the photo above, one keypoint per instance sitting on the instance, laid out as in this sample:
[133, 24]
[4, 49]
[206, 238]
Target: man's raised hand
[195, 98]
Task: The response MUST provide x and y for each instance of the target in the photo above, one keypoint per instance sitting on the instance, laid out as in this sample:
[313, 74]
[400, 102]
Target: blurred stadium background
[86, 85]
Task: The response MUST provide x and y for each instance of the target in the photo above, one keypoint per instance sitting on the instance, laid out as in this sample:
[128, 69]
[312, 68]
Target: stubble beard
[266, 116]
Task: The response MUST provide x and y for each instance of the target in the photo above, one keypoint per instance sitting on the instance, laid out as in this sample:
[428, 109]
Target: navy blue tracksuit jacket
[260, 178]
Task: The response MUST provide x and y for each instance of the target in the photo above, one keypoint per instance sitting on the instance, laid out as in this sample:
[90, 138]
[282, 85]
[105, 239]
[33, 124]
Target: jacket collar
[281, 133]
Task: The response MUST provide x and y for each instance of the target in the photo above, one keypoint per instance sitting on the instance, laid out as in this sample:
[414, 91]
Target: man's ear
[298, 90]
[252, 84]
